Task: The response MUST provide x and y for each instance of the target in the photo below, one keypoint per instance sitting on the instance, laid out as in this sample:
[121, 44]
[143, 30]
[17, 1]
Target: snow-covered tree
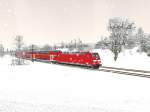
[33, 47]
[104, 43]
[120, 29]
[79, 45]
[71, 45]
[143, 40]
[131, 43]
[46, 48]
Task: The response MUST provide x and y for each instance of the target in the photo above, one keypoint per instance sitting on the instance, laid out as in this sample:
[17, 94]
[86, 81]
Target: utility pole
[32, 52]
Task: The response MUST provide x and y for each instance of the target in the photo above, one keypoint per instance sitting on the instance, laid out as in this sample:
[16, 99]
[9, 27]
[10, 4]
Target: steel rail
[125, 72]
[125, 69]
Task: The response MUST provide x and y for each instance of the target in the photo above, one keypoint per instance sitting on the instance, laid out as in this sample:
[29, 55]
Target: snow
[64, 49]
[127, 59]
[57, 88]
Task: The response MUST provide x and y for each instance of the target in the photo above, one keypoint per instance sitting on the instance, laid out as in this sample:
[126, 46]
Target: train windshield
[96, 55]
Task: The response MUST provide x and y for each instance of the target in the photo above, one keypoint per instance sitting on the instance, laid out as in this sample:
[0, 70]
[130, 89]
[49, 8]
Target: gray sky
[54, 21]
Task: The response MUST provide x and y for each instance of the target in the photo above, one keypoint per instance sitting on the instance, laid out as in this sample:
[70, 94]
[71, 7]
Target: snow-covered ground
[45, 87]
[127, 59]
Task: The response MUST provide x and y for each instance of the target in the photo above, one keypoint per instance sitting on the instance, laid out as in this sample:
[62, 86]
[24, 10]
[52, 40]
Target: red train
[75, 58]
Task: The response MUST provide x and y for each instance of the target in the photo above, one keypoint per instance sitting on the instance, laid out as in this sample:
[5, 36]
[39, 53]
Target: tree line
[123, 35]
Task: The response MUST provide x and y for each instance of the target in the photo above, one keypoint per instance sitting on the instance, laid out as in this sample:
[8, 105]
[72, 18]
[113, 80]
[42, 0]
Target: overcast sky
[54, 21]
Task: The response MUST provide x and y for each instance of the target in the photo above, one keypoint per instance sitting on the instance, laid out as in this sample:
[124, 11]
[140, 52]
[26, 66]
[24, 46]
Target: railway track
[131, 72]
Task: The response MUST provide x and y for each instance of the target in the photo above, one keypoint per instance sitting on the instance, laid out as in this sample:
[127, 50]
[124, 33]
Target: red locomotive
[75, 58]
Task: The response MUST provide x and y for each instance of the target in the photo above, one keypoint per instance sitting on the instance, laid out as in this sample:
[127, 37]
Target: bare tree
[19, 45]
[120, 29]
[19, 42]
[33, 47]
[79, 45]
[1, 50]
[62, 45]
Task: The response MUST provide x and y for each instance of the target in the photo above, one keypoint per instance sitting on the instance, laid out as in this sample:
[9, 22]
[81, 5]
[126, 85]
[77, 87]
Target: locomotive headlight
[96, 60]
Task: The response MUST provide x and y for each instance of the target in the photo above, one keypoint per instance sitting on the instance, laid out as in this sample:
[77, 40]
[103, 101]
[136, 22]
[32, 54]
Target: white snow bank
[40, 83]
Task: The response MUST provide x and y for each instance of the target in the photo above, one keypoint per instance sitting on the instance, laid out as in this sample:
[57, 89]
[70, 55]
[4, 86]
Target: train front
[96, 61]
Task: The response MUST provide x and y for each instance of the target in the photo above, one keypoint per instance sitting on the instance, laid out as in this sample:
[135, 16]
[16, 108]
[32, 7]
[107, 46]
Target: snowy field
[40, 87]
[127, 59]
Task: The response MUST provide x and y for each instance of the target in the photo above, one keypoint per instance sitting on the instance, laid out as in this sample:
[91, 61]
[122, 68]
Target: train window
[95, 55]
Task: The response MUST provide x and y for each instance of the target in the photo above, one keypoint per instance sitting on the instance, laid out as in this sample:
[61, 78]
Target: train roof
[49, 51]
[41, 51]
[75, 52]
